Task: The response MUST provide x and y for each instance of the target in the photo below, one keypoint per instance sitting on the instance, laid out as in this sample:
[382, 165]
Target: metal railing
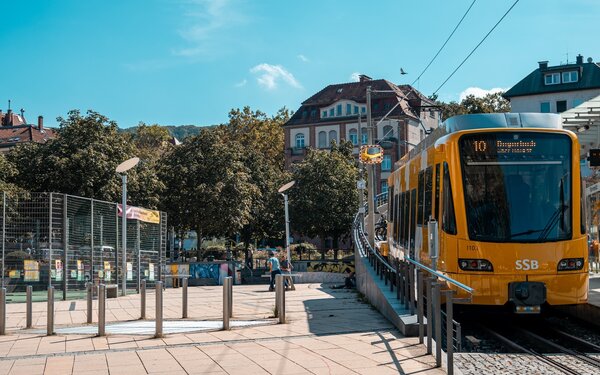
[418, 288]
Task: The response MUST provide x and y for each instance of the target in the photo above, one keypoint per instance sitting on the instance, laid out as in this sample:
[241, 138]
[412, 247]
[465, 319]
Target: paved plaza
[328, 332]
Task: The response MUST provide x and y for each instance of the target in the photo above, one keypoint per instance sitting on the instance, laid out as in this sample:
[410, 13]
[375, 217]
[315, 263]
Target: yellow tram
[506, 194]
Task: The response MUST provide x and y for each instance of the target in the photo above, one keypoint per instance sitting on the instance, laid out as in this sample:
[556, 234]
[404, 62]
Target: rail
[417, 292]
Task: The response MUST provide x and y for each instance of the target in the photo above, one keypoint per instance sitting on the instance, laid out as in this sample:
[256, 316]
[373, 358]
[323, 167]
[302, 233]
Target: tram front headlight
[475, 265]
[570, 264]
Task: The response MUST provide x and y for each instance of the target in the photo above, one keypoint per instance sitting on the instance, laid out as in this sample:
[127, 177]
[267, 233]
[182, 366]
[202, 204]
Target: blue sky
[176, 62]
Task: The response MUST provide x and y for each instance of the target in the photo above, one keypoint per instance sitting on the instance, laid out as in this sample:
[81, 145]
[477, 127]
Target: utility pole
[361, 167]
[370, 176]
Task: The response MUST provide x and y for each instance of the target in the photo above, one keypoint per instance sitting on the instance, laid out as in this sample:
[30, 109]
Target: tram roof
[502, 120]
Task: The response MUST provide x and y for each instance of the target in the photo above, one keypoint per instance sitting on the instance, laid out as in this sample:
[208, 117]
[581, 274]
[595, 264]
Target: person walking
[274, 268]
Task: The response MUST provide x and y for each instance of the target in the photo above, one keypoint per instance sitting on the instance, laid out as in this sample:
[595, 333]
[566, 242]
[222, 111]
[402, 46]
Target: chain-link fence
[65, 241]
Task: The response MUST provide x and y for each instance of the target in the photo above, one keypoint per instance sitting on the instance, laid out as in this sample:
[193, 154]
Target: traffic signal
[594, 157]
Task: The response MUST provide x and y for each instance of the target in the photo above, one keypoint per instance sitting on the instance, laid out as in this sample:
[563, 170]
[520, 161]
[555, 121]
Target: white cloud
[303, 58]
[270, 75]
[479, 92]
[242, 83]
[355, 77]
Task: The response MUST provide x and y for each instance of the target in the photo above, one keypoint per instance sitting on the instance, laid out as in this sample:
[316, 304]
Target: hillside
[178, 131]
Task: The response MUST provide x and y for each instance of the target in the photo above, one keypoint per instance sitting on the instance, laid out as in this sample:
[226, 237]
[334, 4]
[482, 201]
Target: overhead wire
[477, 46]
[446, 42]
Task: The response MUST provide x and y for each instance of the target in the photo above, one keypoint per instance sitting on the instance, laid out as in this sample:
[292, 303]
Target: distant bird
[402, 71]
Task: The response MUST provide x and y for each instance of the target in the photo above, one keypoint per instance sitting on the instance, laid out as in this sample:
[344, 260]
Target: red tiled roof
[12, 135]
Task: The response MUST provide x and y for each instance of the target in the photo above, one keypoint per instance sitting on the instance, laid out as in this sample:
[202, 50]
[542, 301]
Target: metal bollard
[420, 305]
[143, 299]
[88, 287]
[184, 295]
[50, 313]
[158, 288]
[231, 299]
[280, 298]
[226, 315]
[101, 310]
[2, 311]
[449, 333]
[437, 310]
[428, 282]
[29, 307]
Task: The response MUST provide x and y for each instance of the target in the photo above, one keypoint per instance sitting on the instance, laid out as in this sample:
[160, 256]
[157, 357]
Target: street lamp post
[282, 191]
[122, 169]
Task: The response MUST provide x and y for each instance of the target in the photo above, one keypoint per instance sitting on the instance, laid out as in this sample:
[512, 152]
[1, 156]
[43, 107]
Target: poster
[107, 272]
[151, 273]
[80, 272]
[58, 265]
[74, 274]
[129, 271]
[14, 274]
[32, 270]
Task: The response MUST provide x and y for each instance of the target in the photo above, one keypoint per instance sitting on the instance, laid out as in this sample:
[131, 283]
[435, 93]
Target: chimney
[579, 59]
[1, 118]
[40, 123]
[364, 78]
[543, 64]
[9, 119]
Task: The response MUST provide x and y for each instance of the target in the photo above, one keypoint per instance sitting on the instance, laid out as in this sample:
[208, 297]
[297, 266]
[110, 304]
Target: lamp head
[127, 165]
[286, 187]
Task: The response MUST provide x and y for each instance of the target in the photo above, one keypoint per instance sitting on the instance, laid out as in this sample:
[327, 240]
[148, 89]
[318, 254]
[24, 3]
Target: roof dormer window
[570, 77]
[552, 79]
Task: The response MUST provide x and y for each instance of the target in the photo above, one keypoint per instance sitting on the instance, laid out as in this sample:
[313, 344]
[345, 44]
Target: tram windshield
[517, 186]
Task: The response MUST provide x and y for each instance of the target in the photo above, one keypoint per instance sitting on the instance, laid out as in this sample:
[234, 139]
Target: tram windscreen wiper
[529, 231]
[557, 216]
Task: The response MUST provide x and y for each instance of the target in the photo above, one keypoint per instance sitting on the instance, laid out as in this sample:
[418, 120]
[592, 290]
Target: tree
[208, 187]
[7, 173]
[325, 199]
[490, 103]
[82, 161]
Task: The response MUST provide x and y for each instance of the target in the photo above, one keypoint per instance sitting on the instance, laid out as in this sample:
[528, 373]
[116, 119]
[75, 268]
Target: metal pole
[124, 236]
[438, 324]
[420, 305]
[371, 177]
[226, 314]
[449, 333]
[158, 289]
[139, 255]
[29, 313]
[287, 230]
[88, 287]
[3, 231]
[184, 294]
[50, 313]
[50, 242]
[411, 284]
[101, 310]
[143, 300]
[2, 311]
[280, 298]
[231, 299]
[406, 287]
[428, 282]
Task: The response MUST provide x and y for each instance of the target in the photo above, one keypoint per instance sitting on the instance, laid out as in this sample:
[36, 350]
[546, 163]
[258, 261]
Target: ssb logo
[527, 264]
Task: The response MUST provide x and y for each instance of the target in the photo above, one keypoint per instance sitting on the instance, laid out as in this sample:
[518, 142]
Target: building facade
[556, 89]
[339, 113]
[14, 129]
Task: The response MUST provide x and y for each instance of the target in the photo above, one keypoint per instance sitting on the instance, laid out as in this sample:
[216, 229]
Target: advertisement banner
[58, 265]
[80, 273]
[32, 270]
[141, 214]
[129, 271]
[151, 269]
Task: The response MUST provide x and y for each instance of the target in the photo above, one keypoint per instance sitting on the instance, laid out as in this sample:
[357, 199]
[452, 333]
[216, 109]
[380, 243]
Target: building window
[545, 107]
[322, 139]
[354, 136]
[561, 106]
[386, 163]
[332, 136]
[348, 109]
[363, 109]
[313, 113]
[388, 132]
[356, 110]
[568, 77]
[384, 187]
[552, 79]
[299, 140]
[339, 110]
[364, 136]
[304, 114]
[331, 112]
[324, 114]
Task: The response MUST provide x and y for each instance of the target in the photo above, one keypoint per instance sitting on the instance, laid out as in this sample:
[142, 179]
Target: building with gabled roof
[14, 130]
[333, 114]
[556, 89]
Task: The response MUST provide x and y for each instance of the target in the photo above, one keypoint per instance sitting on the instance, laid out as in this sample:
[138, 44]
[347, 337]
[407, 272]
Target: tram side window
[448, 218]
[437, 191]
[583, 213]
[413, 209]
[428, 192]
[406, 221]
[397, 217]
[390, 211]
[404, 218]
[421, 194]
[400, 218]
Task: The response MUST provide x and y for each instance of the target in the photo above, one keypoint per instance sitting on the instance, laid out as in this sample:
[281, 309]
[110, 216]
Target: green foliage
[490, 103]
[325, 199]
[7, 173]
